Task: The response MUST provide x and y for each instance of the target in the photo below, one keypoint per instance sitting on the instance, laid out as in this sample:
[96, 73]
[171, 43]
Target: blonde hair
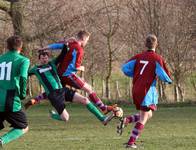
[151, 41]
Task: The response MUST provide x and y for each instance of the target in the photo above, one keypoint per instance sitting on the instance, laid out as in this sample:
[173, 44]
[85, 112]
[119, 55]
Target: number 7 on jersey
[145, 63]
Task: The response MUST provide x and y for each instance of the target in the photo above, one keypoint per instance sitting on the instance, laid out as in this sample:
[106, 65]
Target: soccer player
[13, 80]
[46, 73]
[70, 65]
[144, 68]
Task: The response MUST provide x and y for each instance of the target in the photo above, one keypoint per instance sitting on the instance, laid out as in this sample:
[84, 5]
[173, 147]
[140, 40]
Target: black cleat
[121, 126]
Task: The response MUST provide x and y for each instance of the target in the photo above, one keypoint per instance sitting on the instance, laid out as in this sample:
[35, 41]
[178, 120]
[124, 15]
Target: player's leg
[145, 115]
[96, 100]
[19, 123]
[131, 119]
[72, 96]
[35, 100]
[81, 99]
[123, 122]
[63, 116]
[57, 99]
[76, 82]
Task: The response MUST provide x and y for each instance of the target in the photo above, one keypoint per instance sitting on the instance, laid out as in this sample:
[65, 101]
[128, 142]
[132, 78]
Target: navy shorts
[59, 96]
[17, 119]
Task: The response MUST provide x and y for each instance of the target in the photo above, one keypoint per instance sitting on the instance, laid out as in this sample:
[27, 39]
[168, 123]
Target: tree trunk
[16, 16]
[103, 89]
[109, 69]
[107, 88]
[163, 87]
[118, 95]
[160, 92]
[176, 93]
[181, 92]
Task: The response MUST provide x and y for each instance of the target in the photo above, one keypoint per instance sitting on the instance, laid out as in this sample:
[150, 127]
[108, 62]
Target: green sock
[56, 116]
[95, 111]
[11, 135]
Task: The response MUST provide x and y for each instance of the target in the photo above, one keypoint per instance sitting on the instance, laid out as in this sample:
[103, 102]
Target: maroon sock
[132, 118]
[97, 101]
[135, 133]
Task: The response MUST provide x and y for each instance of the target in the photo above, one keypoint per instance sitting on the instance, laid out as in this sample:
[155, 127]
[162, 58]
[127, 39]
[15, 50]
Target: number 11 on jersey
[5, 74]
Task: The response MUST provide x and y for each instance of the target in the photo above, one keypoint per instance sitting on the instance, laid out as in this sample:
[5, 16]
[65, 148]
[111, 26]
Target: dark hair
[43, 53]
[82, 34]
[14, 42]
[151, 41]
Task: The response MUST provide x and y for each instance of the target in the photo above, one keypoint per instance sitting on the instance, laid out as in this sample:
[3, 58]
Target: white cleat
[133, 146]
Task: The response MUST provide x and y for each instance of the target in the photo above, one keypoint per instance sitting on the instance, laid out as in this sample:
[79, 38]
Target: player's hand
[81, 68]
[30, 103]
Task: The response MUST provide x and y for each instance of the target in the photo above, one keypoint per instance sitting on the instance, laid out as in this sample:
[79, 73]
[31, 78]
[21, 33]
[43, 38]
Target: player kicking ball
[144, 68]
[47, 75]
[70, 65]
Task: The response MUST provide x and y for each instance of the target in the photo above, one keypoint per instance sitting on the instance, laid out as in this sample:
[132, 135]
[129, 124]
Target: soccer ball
[118, 112]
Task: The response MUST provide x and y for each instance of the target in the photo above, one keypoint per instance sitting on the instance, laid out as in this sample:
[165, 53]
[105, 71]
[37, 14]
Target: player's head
[43, 57]
[83, 37]
[14, 43]
[151, 42]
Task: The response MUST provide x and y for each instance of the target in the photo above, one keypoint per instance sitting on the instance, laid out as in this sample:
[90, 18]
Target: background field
[171, 128]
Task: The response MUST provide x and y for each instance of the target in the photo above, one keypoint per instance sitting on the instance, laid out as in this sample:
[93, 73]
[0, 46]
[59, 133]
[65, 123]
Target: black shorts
[58, 98]
[17, 119]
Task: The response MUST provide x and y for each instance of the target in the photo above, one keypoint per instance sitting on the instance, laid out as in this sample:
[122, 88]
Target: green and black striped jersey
[13, 78]
[47, 76]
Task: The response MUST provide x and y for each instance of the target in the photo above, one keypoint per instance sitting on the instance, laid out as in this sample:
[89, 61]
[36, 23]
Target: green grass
[170, 128]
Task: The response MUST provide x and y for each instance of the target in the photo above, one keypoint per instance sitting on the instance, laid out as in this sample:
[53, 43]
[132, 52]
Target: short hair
[43, 53]
[151, 41]
[82, 34]
[14, 42]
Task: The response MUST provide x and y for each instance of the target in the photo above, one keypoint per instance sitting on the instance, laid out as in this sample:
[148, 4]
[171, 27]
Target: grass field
[171, 128]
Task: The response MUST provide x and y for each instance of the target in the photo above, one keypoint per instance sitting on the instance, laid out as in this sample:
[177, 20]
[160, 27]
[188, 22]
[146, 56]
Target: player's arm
[62, 55]
[37, 99]
[162, 72]
[54, 46]
[128, 68]
[23, 78]
[31, 71]
[79, 58]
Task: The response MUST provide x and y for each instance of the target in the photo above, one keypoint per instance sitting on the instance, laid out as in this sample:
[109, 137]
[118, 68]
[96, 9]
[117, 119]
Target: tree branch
[5, 6]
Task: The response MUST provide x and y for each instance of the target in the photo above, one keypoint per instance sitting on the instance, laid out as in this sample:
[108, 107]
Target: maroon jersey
[72, 59]
[145, 68]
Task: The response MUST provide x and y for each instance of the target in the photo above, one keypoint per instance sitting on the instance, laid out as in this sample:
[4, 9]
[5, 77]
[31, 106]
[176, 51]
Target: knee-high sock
[95, 111]
[11, 135]
[132, 118]
[97, 101]
[135, 133]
